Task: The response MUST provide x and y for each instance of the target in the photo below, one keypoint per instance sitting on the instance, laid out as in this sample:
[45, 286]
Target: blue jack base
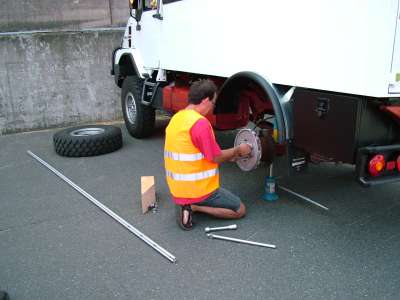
[270, 197]
[270, 194]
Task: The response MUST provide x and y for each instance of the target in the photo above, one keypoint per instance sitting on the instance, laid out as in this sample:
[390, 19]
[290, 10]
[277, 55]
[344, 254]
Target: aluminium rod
[229, 227]
[108, 211]
[303, 197]
[226, 238]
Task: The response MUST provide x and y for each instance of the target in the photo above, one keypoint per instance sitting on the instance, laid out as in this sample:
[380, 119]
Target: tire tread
[72, 146]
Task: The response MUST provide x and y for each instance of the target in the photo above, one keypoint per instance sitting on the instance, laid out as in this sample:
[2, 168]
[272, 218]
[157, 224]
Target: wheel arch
[126, 67]
[242, 80]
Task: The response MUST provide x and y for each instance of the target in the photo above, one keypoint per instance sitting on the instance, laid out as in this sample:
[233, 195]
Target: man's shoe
[184, 217]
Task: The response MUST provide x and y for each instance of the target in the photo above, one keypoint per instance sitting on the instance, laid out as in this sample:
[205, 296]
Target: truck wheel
[87, 140]
[139, 118]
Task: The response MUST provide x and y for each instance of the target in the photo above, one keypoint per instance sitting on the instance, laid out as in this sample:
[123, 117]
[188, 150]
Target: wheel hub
[250, 137]
[130, 108]
[87, 131]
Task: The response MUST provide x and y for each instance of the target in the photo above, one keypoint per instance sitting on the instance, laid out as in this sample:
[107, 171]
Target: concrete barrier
[52, 79]
[22, 15]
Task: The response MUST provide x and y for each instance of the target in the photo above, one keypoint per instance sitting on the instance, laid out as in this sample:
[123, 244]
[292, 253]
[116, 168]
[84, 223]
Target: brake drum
[250, 137]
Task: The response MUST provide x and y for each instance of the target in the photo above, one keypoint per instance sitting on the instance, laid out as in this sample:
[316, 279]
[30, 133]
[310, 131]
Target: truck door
[147, 35]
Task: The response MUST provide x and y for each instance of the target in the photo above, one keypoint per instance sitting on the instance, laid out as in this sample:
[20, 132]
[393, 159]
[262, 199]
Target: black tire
[87, 140]
[139, 118]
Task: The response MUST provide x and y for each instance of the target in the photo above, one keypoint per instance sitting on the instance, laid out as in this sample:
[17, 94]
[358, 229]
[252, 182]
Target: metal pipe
[108, 211]
[226, 238]
[271, 170]
[229, 227]
[303, 197]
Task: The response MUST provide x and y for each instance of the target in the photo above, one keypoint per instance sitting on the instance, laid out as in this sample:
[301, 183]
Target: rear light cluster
[398, 163]
[378, 164]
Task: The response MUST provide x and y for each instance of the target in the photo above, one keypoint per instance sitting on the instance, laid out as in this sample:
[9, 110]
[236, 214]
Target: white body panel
[395, 73]
[346, 46]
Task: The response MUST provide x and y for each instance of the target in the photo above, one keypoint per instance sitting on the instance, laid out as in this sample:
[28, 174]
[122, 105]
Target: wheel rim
[130, 108]
[87, 131]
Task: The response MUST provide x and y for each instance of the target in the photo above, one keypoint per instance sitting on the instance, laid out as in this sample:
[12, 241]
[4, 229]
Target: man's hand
[240, 151]
[233, 154]
[244, 149]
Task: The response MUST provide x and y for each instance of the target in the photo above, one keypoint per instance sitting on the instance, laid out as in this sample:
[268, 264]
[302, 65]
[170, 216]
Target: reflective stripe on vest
[183, 156]
[192, 176]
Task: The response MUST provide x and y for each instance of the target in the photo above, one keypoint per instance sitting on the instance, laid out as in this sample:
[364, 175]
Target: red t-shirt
[203, 139]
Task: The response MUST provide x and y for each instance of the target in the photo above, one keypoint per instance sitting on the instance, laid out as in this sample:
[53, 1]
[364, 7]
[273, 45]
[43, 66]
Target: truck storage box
[336, 125]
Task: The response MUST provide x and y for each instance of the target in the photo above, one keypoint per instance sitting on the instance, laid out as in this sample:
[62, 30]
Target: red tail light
[377, 164]
[398, 163]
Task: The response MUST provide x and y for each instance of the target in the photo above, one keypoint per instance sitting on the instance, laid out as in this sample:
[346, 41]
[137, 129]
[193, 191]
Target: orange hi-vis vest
[188, 173]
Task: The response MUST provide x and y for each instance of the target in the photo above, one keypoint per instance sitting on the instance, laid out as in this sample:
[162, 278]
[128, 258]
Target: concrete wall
[55, 59]
[28, 15]
[57, 79]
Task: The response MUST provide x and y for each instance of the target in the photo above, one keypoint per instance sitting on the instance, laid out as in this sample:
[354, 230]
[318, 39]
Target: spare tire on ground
[87, 140]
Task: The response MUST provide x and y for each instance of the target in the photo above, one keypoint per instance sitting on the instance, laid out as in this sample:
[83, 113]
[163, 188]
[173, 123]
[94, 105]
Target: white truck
[327, 73]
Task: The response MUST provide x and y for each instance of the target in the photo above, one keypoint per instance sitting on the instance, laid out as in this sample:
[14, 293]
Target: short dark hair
[200, 90]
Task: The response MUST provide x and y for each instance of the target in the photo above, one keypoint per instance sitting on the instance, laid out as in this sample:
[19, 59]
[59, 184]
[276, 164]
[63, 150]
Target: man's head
[203, 94]
[202, 89]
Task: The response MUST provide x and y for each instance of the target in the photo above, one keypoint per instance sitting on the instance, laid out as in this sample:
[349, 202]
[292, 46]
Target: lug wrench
[229, 227]
[226, 238]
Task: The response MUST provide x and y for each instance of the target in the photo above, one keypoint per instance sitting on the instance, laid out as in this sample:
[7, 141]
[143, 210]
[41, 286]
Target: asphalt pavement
[55, 244]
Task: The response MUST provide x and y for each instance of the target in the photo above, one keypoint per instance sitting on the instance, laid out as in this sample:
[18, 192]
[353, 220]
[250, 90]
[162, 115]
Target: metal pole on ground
[108, 211]
[226, 238]
[303, 197]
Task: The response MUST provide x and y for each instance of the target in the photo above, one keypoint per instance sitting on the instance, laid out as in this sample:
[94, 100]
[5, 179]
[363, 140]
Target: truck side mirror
[133, 4]
[136, 5]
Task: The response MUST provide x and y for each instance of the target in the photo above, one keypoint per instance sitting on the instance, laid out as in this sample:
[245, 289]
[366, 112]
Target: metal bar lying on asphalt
[303, 197]
[226, 238]
[108, 211]
[229, 227]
